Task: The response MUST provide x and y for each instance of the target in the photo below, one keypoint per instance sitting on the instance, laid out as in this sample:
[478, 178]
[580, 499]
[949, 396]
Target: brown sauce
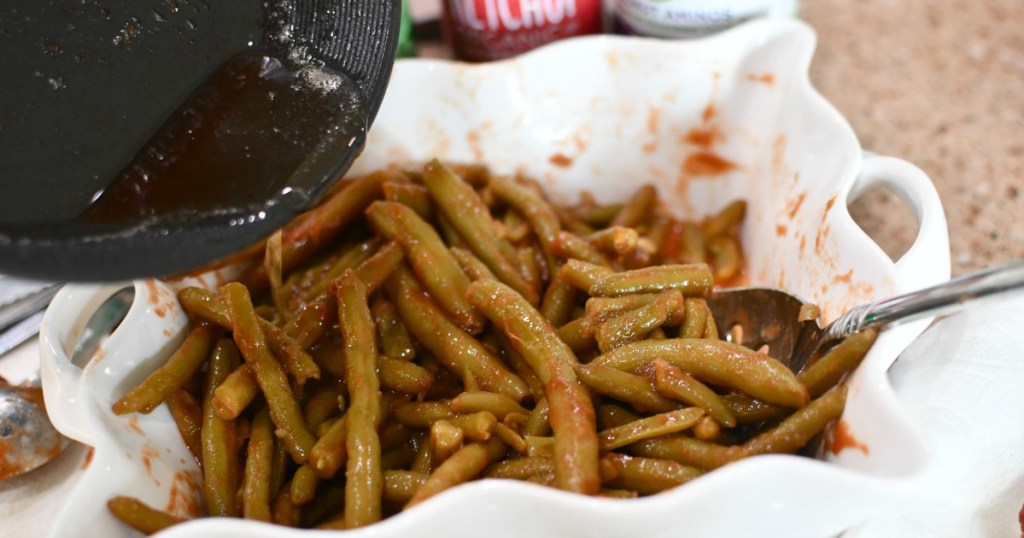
[233, 145]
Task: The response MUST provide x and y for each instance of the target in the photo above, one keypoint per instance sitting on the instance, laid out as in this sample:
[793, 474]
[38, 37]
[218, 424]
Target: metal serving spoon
[148, 137]
[770, 316]
[27, 438]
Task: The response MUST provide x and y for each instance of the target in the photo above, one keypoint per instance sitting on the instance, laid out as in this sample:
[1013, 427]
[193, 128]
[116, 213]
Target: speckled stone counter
[940, 84]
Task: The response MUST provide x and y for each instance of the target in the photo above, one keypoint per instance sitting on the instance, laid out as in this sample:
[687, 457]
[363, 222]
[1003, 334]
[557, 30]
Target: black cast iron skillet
[101, 97]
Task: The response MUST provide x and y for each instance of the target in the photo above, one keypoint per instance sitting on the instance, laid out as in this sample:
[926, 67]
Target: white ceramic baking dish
[706, 121]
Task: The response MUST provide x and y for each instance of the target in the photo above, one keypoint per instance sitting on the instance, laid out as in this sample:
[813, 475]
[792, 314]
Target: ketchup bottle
[482, 30]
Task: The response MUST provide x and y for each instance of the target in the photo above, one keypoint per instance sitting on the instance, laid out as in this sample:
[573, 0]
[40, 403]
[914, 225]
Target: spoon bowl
[772, 318]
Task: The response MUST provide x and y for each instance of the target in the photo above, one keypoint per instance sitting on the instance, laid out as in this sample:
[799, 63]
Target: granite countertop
[940, 84]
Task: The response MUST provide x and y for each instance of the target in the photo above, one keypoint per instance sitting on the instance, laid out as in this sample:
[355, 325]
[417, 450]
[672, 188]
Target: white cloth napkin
[963, 380]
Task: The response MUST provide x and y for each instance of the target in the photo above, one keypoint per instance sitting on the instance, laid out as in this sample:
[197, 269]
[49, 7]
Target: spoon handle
[940, 299]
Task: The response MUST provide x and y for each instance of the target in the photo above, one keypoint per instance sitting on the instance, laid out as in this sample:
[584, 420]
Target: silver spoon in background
[27, 438]
[772, 317]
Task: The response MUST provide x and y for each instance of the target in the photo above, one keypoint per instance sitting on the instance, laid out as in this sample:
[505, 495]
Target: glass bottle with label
[683, 19]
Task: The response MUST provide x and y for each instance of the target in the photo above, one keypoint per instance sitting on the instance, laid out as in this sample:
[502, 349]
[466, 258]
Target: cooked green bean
[412, 195]
[422, 414]
[355, 255]
[600, 309]
[695, 318]
[578, 335]
[525, 468]
[689, 451]
[749, 410]
[220, 438]
[464, 465]
[394, 340]
[312, 321]
[140, 516]
[188, 416]
[571, 246]
[538, 423]
[636, 324]
[511, 438]
[445, 438]
[530, 205]
[471, 265]
[646, 476]
[235, 393]
[520, 367]
[583, 275]
[364, 480]
[707, 429]
[498, 404]
[326, 400]
[457, 350]
[404, 377]
[429, 258]
[477, 426]
[303, 485]
[258, 463]
[652, 426]
[615, 240]
[558, 302]
[331, 450]
[825, 372]
[673, 383]
[377, 268]
[638, 208]
[797, 429]
[624, 386]
[169, 378]
[470, 217]
[400, 486]
[691, 279]
[729, 216]
[571, 410]
[718, 362]
[725, 257]
[270, 376]
[598, 215]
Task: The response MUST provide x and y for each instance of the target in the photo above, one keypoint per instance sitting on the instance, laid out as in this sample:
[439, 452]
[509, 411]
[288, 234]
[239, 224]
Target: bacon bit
[767, 79]
[88, 458]
[842, 438]
[707, 164]
[560, 159]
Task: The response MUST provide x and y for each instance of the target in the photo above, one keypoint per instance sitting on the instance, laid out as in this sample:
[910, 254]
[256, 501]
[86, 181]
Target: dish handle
[72, 387]
[927, 260]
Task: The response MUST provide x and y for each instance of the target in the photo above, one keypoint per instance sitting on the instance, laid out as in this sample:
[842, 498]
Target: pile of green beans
[424, 328]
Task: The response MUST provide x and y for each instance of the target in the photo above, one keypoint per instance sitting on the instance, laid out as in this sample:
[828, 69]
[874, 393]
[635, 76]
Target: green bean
[522, 468]
[377, 268]
[520, 367]
[710, 327]
[188, 416]
[330, 497]
[140, 516]
[272, 261]
[538, 424]
[657, 231]
[624, 386]
[270, 376]
[531, 206]
[404, 377]
[477, 426]
[169, 378]
[471, 265]
[613, 416]
[511, 438]
[409, 194]
[206, 305]
[400, 486]
[646, 476]
[615, 241]
[470, 217]
[638, 208]
[220, 438]
[571, 246]
[394, 340]
[457, 350]
[258, 462]
[571, 410]
[323, 402]
[445, 438]
[237, 391]
[797, 429]
[598, 216]
[707, 429]
[749, 410]
[516, 229]
[672, 383]
[312, 321]
[695, 318]
[559, 300]
[600, 309]
[315, 228]
[578, 335]
[570, 221]
[422, 414]
[635, 325]
[726, 218]
[694, 244]
[583, 275]
[429, 258]
[825, 372]
[303, 486]
[398, 458]
[284, 512]
[540, 447]
[531, 267]
[330, 451]
[498, 404]
[355, 255]
[646, 428]
[725, 257]
[718, 362]
[689, 451]
[691, 279]
[467, 463]
[364, 480]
